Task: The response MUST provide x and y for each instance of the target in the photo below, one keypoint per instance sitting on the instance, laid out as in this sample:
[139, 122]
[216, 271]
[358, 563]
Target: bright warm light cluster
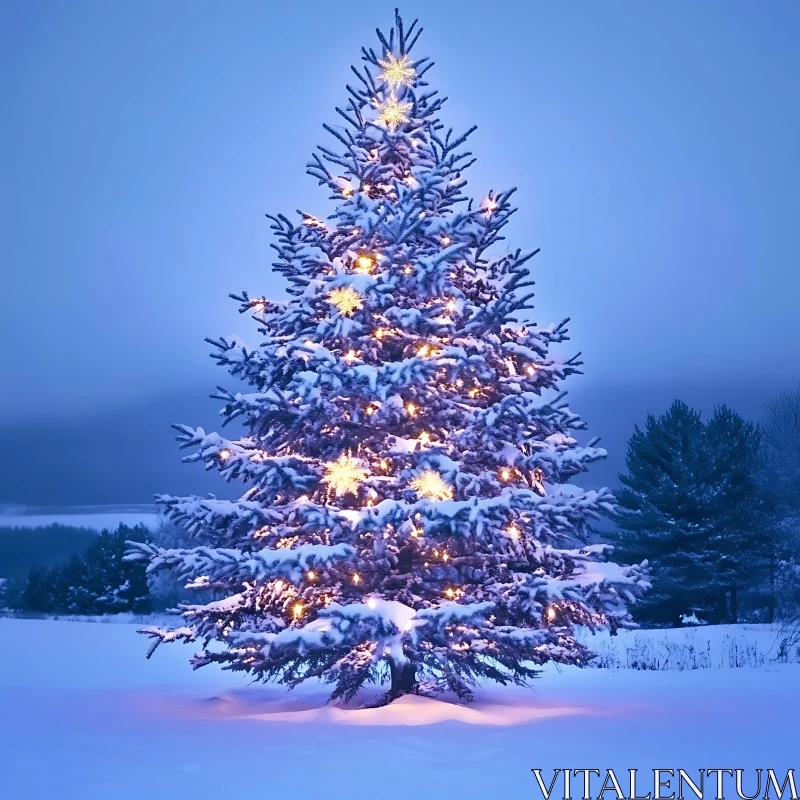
[397, 71]
[393, 113]
[344, 475]
[346, 299]
[430, 484]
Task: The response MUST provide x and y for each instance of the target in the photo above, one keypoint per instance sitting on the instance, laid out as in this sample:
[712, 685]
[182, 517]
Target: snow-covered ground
[84, 715]
[95, 517]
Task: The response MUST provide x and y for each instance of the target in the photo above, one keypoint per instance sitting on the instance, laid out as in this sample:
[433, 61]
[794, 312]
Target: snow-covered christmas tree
[409, 516]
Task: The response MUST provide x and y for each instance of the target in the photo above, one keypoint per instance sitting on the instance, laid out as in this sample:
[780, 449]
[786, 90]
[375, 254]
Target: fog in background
[655, 147]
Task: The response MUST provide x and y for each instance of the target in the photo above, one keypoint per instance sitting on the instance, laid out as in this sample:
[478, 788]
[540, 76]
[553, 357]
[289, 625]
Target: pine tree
[409, 515]
[691, 505]
[660, 516]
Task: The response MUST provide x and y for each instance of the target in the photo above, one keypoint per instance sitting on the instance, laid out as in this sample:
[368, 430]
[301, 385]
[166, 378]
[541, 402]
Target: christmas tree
[409, 517]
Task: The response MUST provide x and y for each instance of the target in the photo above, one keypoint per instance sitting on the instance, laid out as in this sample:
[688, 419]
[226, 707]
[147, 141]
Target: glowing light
[430, 484]
[551, 613]
[424, 438]
[397, 71]
[408, 269]
[286, 542]
[416, 533]
[451, 305]
[344, 475]
[366, 188]
[351, 355]
[505, 474]
[356, 231]
[370, 410]
[393, 113]
[371, 602]
[356, 578]
[311, 575]
[459, 383]
[411, 409]
[365, 263]
[346, 299]
[347, 190]
[513, 531]
[531, 370]
[224, 455]
[489, 205]
[445, 557]
[297, 610]
[446, 240]
[258, 305]
[384, 464]
[423, 351]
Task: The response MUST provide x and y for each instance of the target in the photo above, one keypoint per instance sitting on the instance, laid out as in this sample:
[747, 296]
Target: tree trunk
[404, 679]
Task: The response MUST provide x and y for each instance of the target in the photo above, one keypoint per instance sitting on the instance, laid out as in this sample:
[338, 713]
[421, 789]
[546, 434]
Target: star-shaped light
[346, 299]
[431, 484]
[344, 475]
[393, 113]
[397, 71]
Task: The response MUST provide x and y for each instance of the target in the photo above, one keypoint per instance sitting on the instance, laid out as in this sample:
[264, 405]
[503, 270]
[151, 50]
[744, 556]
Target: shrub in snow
[410, 514]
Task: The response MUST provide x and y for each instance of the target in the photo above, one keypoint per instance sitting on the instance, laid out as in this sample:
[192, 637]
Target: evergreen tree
[691, 505]
[740, 545]
[660, 515]
[409, 514]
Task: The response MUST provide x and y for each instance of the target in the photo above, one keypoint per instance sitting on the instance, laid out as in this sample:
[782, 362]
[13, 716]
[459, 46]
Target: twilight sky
[655, 147]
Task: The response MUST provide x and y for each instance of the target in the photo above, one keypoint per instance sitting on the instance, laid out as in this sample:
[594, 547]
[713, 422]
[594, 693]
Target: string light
[258, 306]
[424, 438]
[411, 409]
[311, 575]
[224, 454]
[346, 299]
[505, 474]
[513, 531]
[366, 188]
[365, 263]
[297, 610]
[397, 71]
[423, 351]
[446, 240]
[407, 269]
[384, 464]
[489, 205]
[551, 613]
[351, 355]
[356, 578]
[347, 190]
[393, 113]
[344, 475]
[430, 484]
[451, 305]
[356, 231]
[531, 370]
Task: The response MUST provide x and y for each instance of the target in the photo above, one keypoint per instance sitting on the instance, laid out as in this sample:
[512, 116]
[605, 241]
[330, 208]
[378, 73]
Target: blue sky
[655, 147]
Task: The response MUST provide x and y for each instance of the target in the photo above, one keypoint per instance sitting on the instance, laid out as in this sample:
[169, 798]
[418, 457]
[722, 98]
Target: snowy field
[84, 715]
